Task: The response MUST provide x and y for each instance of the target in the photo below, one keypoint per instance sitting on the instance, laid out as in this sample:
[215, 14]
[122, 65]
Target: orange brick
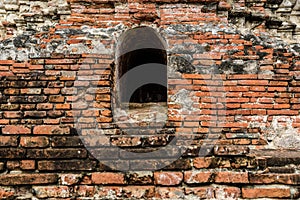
[236, 89]
[66, 106]
[179, 82]
[168, 178]
[191, 177]
[38, 141]
[253, 82]
[231, 177]
[51, 90]
[16, 129]
[56, 99]
[253, 193]
[190, 124]
[202, 162]
[282, 112]
[282, 106]
[108, 178]
[6, 62]
[277, 89]
[242, 76]
[27, 164]
[49, 129]
[196, 76]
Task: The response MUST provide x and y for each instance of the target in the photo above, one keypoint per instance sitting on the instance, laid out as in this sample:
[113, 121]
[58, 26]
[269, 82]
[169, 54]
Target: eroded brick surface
[230, 128]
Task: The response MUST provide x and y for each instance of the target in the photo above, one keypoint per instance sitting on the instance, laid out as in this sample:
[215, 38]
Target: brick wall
[232, 117]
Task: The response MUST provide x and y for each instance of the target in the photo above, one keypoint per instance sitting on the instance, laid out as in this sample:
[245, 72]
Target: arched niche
[141, 52]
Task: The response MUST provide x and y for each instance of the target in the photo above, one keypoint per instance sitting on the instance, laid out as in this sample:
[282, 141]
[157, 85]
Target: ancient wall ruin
[229, 129]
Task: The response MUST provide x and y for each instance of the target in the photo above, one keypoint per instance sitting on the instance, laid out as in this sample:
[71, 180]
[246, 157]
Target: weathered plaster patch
[282, 136]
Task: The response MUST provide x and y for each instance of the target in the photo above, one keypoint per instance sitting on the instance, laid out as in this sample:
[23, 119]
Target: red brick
[37, 141]
[12, 164]
[31, 91]
[169, 193]
[51, 121]
[27, 164]
[108, 178]
[6, 62]
[51, 191]
[51, 90]
[168, 178]
[290, 179]
[231, 177]
[253, 82]
[201, 192]
[258, 88]
[202, 162]
[12, 153]
[179, 82]
[282, 106]
[231, 150]
[235, 100]
[190, 124]
[236, 89]
[6, 73]
[233, 124]
[16, 129]
[278, 83]
[103, 97]
[19, 70]
[296, 107]
[35, 67]
[44, 106]
[191, 177]
[35, 114]
[51, 130]
[257, 106]
[233, 105]
[7, 193]
[242, 76]
[282, 112]
[211, 55]
[27, 106]
[63, 106]
[104, 192]
[266, 67]
[276, 192]
[227, 192]
[282, 100]
[106, 113]
[6, 141]
[11, 91]
[139, 192]
[84, 190]
[241, 141]
[294, 89]
[196, 76]
[69, 179]
[60, 61]
[56, 99]
[277, 89]
[55, 113]
[266, 100]
[104, 119]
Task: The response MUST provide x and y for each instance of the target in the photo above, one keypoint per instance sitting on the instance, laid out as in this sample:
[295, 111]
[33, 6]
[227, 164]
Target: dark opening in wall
[142, 71]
